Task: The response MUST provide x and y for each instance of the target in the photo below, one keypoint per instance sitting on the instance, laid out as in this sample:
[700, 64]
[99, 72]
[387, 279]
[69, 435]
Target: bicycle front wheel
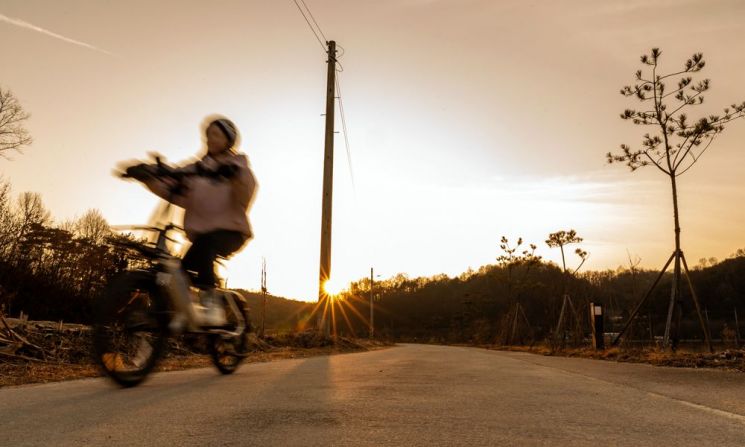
[131, 328]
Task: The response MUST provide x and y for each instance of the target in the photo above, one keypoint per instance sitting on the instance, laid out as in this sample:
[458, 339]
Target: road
[406, 395]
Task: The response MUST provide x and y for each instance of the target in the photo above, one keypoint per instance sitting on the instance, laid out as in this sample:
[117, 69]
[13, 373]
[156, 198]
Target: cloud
[23, 24]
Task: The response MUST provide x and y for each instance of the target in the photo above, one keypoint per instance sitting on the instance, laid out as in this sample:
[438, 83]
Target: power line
[314, 21]
[321, 42]
[339, 68]
[340, 48]
[346, 133]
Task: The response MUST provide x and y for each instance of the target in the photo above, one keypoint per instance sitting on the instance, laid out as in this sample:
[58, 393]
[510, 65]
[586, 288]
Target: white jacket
[213, 204]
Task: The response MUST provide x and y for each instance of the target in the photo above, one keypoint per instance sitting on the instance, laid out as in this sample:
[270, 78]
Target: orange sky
[468, 120]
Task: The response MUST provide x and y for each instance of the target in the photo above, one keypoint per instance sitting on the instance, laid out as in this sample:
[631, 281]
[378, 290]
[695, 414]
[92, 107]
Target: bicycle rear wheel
[131, 328]
[228, 352]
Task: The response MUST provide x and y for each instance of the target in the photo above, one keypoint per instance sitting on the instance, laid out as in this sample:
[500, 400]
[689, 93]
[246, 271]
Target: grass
[732, 359]
[184, 353]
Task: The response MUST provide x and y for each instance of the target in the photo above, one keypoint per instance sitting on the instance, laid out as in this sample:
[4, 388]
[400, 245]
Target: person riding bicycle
[215, 207]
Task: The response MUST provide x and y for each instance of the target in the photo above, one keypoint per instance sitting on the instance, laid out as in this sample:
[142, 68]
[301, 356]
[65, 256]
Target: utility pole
[328, 183]
[263, 293]
[372, 320]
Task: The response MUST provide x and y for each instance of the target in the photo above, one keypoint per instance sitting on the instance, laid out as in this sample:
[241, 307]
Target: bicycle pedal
[226, 332]
[212, 329]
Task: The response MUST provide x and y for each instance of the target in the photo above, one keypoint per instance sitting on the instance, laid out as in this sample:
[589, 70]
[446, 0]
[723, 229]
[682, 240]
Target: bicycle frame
[175, 284]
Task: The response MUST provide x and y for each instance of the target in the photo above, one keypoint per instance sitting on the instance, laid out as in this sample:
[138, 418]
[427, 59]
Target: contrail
[24, 24]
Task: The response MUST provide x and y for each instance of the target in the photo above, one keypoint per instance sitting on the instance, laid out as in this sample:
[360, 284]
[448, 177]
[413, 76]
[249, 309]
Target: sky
[467, 120]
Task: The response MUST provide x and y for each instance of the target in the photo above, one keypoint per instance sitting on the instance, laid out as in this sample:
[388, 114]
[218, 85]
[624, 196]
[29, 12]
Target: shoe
[214, 311]
[178, 323]
[143, 353]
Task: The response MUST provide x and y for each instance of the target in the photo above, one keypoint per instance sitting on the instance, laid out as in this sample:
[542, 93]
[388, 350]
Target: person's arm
[163, 186]
[243, 182]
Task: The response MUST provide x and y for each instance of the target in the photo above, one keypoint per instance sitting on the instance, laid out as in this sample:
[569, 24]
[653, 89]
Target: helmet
[228, 128]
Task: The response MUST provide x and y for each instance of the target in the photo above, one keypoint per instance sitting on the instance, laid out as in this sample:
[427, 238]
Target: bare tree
[13, 136]
[32, 211]
[30, 215]
[511, 260]
[674, 142]
[518, 266]
[92, 226]
[6, 218]
[561, 239]
[69, 225]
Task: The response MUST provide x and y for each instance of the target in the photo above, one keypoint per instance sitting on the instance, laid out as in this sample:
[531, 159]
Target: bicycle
[141, 308]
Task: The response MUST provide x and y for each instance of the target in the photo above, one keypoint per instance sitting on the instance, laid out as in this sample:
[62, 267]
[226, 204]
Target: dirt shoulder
[730, 359]
[52, 352]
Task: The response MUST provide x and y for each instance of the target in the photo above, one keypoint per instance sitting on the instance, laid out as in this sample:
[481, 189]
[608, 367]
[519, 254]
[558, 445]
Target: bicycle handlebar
[144, 171]
[146, 227]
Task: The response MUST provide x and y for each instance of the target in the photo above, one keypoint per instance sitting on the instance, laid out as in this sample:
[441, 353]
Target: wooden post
[651, 329]
[263, 293]
[372, 316]
[737, 330]
[578, 336]
[596, 321]
[697, 303]
[671, 331]
[527, 325]
[328, 184]
[560, 324]
[642, 301]
[513, 335]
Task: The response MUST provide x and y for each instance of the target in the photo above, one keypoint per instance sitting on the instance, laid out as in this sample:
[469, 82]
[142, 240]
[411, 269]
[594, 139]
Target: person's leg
[200, 259]
[228, 242]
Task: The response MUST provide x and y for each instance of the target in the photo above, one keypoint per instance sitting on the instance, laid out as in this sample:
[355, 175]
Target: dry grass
[184, 353]
[733, 359]
[31, 372]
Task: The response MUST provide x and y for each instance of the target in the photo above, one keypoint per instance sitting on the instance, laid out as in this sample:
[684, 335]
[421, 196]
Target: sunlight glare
[334, 287]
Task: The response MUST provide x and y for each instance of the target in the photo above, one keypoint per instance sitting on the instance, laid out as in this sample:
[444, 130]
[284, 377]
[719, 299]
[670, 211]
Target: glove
[201, 169]
[139, 172]
[227, 171]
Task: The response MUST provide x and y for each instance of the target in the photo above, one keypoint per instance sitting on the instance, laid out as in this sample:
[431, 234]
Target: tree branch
[695, 159]
[686, 103]
[659, 166]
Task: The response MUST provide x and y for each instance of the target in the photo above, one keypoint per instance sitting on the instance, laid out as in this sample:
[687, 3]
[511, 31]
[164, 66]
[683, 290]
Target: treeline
[279, 315]
[53, 271]
[521, 304]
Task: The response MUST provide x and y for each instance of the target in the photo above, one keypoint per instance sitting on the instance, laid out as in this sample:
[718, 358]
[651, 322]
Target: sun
[334, 287]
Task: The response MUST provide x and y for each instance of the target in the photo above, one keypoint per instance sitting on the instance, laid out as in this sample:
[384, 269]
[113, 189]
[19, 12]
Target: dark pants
[200, 258]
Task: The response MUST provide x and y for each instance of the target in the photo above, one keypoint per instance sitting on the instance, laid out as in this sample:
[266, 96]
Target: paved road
[407, 395]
